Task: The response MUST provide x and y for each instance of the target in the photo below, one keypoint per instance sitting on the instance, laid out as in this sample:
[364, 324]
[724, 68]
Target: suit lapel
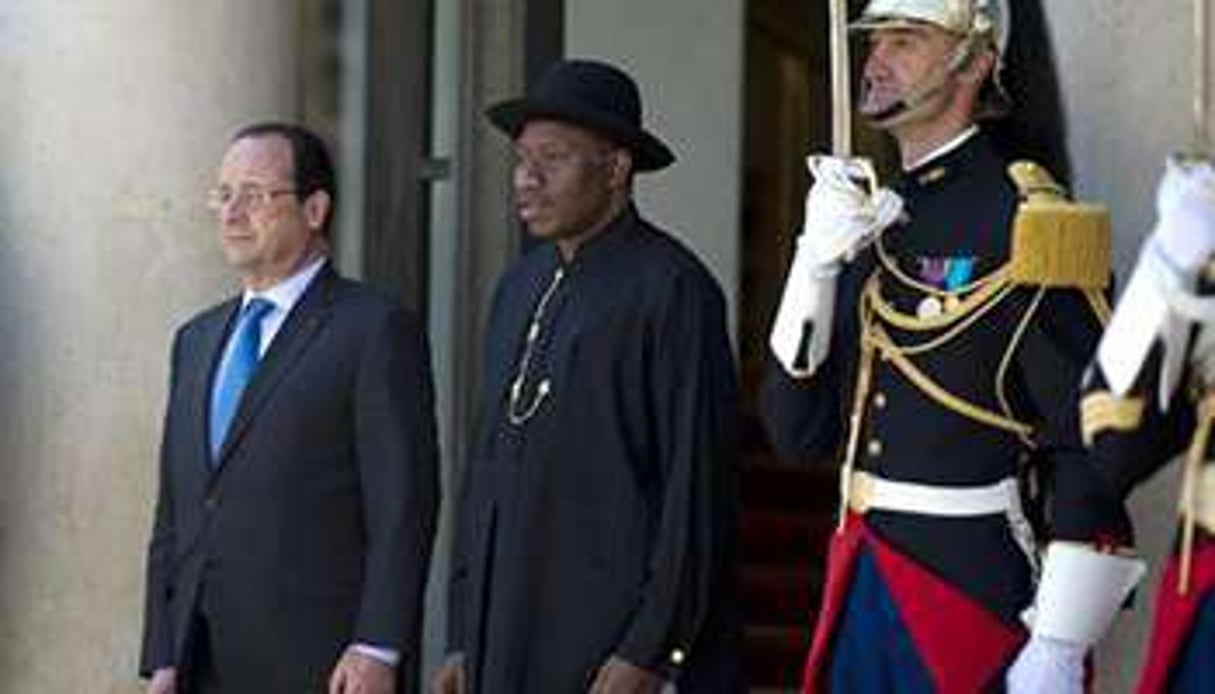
[302, 324]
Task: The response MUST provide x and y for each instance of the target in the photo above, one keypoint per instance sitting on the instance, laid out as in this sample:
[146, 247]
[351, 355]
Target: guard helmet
[967, 18]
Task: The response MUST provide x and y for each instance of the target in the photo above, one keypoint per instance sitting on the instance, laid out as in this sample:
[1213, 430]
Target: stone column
[115, 114]
[478, 59]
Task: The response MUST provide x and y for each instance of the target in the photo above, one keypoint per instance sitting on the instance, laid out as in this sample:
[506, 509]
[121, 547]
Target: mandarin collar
[612, 236]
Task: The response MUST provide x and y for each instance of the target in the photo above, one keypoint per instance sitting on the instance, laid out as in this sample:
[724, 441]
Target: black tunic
[960, 208]
[603, 523]
[1123, 459]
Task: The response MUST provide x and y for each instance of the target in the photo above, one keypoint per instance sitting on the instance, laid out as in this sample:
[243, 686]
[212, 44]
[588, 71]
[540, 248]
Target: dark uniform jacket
[1122, 456]
[1023, 357]
[600, 521]
[314, 530]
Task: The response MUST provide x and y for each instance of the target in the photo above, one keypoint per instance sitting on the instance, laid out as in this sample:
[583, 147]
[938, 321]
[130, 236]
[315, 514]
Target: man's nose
[526, 175]
[874, 62]
[232, 212]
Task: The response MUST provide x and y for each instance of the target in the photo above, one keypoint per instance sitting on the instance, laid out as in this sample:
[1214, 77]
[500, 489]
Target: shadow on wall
[1035, 127]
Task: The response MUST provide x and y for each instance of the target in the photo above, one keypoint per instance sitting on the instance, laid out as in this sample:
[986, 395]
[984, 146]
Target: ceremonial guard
[933, 337]
[1150, 396]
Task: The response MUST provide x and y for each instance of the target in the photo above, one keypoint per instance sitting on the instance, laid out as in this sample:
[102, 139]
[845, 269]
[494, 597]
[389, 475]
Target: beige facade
[114, 116]
[1127, 75]
[108, 140]
[697, 109]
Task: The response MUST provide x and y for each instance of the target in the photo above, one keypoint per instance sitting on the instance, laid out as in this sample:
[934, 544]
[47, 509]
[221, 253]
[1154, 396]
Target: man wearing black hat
[594, 528]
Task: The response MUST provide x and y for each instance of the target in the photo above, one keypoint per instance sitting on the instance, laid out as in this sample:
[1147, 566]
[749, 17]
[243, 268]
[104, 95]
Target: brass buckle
[860, 492]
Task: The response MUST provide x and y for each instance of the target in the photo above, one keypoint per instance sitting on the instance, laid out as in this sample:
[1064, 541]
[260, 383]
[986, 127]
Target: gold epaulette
[1056, 242]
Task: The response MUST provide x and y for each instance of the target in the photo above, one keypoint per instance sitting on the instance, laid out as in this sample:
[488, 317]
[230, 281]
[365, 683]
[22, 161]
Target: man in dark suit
[298, 482]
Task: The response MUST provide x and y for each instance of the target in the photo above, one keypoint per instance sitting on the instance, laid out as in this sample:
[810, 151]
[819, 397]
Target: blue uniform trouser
[1195, 669]
[871, 651]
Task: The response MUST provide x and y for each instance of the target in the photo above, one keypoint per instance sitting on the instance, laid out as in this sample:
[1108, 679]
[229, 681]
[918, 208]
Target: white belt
[867, 492]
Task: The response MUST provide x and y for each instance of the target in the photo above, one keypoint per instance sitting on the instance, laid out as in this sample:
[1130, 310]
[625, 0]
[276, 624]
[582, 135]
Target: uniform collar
[954, 143]
[941, 164]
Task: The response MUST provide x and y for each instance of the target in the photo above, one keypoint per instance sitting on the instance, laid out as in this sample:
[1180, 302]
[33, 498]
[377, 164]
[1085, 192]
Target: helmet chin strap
[920, 93]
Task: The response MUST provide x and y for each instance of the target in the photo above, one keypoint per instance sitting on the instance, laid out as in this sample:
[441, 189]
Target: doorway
[786, 511]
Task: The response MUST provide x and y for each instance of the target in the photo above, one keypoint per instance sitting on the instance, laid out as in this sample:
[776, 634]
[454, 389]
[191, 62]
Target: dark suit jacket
[314, 531]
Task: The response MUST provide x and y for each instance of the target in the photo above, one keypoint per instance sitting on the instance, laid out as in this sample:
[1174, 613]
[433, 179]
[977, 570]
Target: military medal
[948, 273]
[929, 307]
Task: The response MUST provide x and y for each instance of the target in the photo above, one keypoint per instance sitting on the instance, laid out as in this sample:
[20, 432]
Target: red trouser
[963, 645]
[1175, 615]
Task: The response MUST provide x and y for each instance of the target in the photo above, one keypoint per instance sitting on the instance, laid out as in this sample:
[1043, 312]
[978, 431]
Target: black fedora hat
[590, 94]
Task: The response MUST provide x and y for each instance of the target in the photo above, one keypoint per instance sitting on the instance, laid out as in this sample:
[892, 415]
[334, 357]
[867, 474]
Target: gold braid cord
[1197, 504]
[864, 380]
[1055, 244]
[1102, 411]
[875, 311]
[1100, 305]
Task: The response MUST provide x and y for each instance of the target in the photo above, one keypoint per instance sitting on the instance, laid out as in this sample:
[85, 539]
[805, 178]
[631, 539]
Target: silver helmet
[979, 24]
[970, 18]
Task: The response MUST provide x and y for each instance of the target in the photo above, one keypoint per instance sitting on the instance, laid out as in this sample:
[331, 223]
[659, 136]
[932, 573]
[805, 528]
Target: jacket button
[874, 448]
[879, 401]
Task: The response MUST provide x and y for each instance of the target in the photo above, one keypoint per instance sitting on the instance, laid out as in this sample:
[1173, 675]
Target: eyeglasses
[250, 196]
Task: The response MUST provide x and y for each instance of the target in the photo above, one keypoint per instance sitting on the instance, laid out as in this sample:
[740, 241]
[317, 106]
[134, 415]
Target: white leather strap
[868, 492]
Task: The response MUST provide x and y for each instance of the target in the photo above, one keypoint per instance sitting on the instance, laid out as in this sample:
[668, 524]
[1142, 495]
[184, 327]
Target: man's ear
[316, 209]
[979, 67]
[620, 167]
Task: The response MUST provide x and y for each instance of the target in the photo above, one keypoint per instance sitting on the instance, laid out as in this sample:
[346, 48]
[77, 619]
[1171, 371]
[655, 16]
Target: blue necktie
[236, 370]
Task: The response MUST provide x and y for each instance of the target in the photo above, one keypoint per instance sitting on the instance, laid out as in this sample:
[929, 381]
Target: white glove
[1181, 241]
[801, 332]
[1047, 666]
[1080, 592]
[841, 218]
[1185, 213]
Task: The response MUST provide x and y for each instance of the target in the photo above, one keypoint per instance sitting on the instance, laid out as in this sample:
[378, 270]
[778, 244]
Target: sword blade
[841, 86]
[1201, 71]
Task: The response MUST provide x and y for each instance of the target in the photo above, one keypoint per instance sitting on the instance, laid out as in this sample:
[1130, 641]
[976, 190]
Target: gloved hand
[841, 218]
[1047, 665]
[1080, 592]
[1149, 309]
[1185, 213]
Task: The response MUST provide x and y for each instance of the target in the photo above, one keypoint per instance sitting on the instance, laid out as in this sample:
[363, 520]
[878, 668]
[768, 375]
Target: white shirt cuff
[388, 656]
